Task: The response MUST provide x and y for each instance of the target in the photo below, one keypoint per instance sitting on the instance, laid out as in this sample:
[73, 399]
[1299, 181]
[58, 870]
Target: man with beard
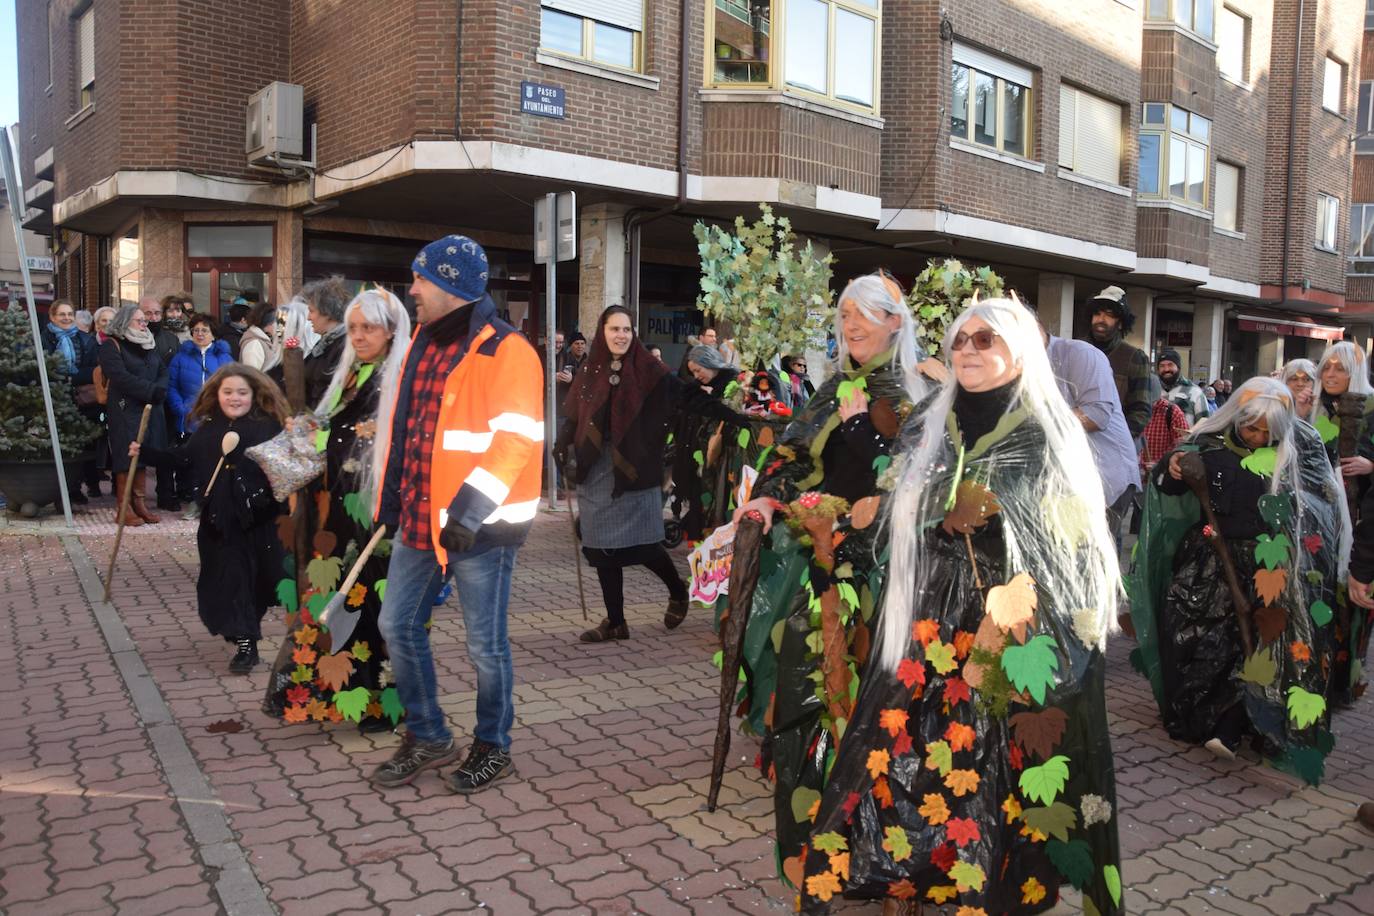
[1181, 390]
[1111, 321]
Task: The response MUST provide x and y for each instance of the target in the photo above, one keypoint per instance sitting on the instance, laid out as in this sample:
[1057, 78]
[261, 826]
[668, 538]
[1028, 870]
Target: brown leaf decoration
[1269, 584]
[988, 638]
[286, 530]
[1271, 620]
[884, 418]
[1013, 604]
[863, 641]
[934, 369]
[322, 507]
[1039, 732]
[974, 504]
[794, 870]
[865, 512]
[713, 447]
[765, 437]
[335, 670]
[324, 543]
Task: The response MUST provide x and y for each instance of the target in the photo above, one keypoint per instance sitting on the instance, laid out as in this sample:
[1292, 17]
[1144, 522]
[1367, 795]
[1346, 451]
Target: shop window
[83, 32]
[1089, 135]
[1226, 206]
[605, 32]
[1333, 85]
[990, 101]
[1328, 218]
[1361, 239]
[828, 48]
[1174, 154]
[1194, 15]
[1233, 45]
[225, 262]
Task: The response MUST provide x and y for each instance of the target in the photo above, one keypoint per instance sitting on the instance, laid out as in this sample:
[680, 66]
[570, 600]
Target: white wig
[1083, 578]
[297, 325]
[1296, 367]
[1351, 359]
[379, 307]
[878, 297]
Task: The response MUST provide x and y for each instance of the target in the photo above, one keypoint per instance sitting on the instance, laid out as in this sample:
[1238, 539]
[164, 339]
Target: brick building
[1197, 153]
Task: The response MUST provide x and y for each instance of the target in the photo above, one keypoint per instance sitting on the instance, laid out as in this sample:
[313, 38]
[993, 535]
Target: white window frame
[1364, 118]
[1328, 223]
[1333, 97]
[83, 60]
[1171, 10]
[1223, 47]
[1071, 132]
[1361, 231]
[592, 14]
[1167, 134]
[1236, 213]
[1003, 72]
[1368, 15]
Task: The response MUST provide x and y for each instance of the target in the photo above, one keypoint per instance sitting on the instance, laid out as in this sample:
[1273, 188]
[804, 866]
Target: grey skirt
[628, 520]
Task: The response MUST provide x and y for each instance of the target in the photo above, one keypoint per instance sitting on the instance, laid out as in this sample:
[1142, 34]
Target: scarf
[328, 338]
[626, 409]
[143, 338]
[66, 344]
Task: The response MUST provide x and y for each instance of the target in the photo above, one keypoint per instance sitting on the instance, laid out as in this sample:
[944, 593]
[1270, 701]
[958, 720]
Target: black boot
[247, 656]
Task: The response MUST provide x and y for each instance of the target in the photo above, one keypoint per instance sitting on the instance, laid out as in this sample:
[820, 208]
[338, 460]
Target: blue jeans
[483, 583]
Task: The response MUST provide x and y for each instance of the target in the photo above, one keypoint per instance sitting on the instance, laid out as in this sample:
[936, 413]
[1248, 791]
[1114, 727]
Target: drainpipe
[637, 218]
[1288, 165]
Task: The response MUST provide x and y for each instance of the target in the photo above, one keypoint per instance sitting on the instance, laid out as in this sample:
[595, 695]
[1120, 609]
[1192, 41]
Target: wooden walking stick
[226, 445]
[1195, 476]
[577, 550]
[125, 497]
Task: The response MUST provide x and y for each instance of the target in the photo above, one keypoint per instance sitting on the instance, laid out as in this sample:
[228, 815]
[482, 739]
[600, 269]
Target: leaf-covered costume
[785, 646]
[979, 773]
[1185, 619]
[322, 682]
[1353, 624]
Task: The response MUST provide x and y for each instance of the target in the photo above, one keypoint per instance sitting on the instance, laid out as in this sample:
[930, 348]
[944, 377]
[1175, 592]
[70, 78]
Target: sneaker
[486, 763]
[411, 758]
[192, 513]
[246, 658]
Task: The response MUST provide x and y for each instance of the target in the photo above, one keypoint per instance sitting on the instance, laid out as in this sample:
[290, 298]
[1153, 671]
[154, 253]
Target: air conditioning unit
[275, 128]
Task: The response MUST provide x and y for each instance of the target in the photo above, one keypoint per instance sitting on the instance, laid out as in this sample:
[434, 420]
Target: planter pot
[30, 485]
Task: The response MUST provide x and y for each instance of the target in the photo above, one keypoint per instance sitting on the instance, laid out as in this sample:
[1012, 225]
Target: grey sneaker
[410, 759]
[486, 763]
[192, 513]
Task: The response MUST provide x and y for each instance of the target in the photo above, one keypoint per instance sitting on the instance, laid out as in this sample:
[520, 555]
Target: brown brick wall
[1165, 233]
[755, 139]
[87, 151]
[1195, 75]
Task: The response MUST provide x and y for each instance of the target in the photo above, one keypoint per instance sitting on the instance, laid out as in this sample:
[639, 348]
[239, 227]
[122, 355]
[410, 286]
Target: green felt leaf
[829, 842]
[286, 594]
[1314, 576]
[1045, 782]
[380, 589]
[847, 594]
[1073, 859]
[1305, 708]
[718, 659]
[317, 602]
[848, 389]
[1273, 552]
[763, 459]
[1276, 509]
[967, 874]
[1056, 820]
[815, 641]
[1112, 876]
[881, 463]
[1260, 668]
[1321, 612]
[1032, 666]
[1309, 763]
[1261, 461]
[324, 572]
[288, 565]
[669, 440]
[941, 656]
[303, 674]
[939, 754]
[707, 498]
[743, 437]
[1328, 428]
[802, 800]
[391, 705]
[357, 510]
[700, 459]
[353, 703]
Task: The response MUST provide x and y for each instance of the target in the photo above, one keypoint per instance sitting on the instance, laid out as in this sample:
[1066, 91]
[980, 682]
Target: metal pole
[550, 323]
[16, 199]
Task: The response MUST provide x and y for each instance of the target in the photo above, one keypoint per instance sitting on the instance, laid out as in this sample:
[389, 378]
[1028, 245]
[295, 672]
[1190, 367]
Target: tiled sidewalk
[612, 743]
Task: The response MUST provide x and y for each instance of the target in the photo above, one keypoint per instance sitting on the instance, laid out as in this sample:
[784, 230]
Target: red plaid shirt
[1167, 426]
[426, 395]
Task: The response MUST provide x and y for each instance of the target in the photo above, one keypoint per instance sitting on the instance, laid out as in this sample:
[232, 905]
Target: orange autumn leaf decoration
[356, 595]
[295, 713]
[823, 886]
[304, 655]
[902, 890]
[894, 720]
[962, 782]
[306, 636]
[1301, 651]
[960, 736]
[925, 631]
[942, 892]
[877, 763]
[839, 863]
[934, 810]
[335, 670]
[881, 791]
[316, 710]
[963, 642]
[1269, 584]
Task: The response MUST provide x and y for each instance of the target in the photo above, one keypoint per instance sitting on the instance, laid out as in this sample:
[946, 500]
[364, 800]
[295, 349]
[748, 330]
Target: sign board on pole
[37, 263]
[562, 227]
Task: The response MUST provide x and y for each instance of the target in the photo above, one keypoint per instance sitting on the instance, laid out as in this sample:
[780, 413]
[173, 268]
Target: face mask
[174, 324]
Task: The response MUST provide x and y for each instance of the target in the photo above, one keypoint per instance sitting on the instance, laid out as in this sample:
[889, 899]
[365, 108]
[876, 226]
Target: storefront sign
[36, 263]
[1290, 329]
[667, 325]
[545, 101]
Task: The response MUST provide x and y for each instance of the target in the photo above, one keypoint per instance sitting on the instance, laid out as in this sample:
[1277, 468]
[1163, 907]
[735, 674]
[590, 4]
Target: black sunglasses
[982, 339]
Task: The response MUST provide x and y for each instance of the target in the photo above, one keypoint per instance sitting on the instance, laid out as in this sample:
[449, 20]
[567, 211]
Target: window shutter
[85, 44]
[1098, 129]
[1068, 115]
[628, 14]
[1226, 196]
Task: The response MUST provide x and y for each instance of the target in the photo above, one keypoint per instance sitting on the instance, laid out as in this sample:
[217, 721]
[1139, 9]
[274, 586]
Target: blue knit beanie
[455, 264]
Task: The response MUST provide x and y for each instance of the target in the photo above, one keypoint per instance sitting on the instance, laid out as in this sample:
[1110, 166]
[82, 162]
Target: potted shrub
[28, 474]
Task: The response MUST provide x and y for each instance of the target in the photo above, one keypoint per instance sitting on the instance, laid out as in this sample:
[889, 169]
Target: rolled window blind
[628, 14]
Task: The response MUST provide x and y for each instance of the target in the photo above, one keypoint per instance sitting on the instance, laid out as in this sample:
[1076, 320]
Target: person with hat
[1181, 390]
[1112, 319]
[460, 487]
[569, 361]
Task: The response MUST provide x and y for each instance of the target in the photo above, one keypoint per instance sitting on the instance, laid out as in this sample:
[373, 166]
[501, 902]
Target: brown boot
[1365, 815]
[137, 503]
[133, 521]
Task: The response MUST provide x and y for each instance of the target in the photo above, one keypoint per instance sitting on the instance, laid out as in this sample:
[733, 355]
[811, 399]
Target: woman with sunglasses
[1226, 668]
[830, 459]
[976, 769]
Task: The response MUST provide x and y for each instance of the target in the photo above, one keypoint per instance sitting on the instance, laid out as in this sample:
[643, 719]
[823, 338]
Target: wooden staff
[1195, 476]
[126, 497]
[577, 539]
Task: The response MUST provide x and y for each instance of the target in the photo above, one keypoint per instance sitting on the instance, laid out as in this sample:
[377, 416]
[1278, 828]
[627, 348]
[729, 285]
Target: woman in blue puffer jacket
[195, 362]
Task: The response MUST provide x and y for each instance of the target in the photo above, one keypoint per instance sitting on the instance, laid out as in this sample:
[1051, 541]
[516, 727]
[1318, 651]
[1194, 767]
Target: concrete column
[1054, 303]
[1142, 303]
[1208, 324]
[601, 265]
[1270, 353]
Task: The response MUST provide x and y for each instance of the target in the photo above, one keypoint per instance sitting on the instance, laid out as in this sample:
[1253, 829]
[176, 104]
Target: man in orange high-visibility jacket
[461, 491]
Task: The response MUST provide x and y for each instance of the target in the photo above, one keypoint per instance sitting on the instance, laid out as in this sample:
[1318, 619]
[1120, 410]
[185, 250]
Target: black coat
[165, 343]
[136, 377]
[320, 369]
[87, 353]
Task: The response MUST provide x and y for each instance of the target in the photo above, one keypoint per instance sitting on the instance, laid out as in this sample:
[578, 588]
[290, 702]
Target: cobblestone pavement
[137, 775]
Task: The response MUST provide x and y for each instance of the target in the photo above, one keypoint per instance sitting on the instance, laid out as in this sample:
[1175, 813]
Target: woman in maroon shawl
[614, 432]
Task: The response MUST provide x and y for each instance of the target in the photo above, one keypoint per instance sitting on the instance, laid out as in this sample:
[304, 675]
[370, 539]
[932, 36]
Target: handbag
[94, 393]
[290, 459]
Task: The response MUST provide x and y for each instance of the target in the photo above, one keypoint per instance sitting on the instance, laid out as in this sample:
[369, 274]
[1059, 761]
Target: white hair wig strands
[1351, 359]
[383, 309]
[878, 297]
[1084, 578]
[1308, 368]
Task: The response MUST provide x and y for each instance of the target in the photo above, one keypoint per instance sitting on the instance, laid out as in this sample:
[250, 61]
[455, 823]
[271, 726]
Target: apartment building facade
[1196, 152]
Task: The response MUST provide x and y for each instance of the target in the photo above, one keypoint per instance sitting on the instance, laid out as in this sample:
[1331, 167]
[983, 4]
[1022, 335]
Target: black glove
[392, 520]
[456, 538]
